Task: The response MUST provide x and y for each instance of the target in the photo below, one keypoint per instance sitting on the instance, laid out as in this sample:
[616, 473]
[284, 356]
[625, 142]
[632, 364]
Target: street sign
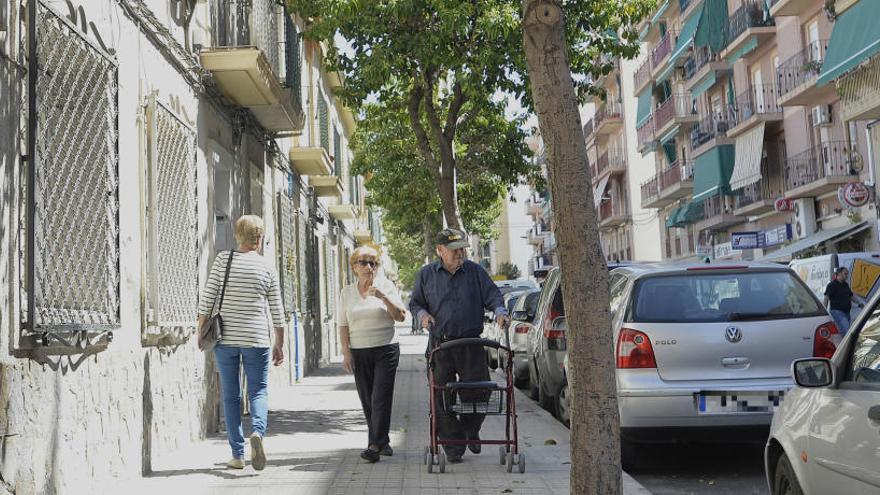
[744, 240]
[853, 195]
[783, 204]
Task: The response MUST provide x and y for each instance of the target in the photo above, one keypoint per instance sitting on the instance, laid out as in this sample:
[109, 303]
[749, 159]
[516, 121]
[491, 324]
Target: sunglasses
[371, 264]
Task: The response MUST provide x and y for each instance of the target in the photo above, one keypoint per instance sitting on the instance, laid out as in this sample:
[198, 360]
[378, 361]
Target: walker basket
[484, 397]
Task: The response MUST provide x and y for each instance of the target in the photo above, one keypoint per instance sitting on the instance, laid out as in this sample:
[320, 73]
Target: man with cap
[450, 297]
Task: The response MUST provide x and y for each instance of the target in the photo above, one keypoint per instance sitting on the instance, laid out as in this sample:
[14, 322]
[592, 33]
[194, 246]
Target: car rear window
[735, 296]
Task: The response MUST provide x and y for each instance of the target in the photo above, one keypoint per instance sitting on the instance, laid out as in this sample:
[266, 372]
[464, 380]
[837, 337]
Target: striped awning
[747, 160]
[600, 191]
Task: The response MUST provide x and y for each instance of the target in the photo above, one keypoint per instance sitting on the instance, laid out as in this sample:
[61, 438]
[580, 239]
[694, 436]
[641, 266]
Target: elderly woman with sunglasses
[367, 312]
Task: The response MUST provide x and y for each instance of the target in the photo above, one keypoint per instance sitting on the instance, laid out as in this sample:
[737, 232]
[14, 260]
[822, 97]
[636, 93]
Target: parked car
[707, 346]
[546, 343]
[492, 331]
[517, 334]
[520, 285]
[825, 437]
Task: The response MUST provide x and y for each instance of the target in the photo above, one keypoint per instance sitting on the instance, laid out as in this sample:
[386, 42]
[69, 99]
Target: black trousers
[467, 364]
[374, 372]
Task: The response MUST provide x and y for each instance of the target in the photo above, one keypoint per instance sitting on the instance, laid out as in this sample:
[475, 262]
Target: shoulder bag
[212, 330]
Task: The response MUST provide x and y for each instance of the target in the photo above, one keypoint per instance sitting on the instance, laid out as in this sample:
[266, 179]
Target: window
[736, 296]
[293, 64]
[172, 223]
[864, 366]
[323, 122]
[337, 152]
[618, 288]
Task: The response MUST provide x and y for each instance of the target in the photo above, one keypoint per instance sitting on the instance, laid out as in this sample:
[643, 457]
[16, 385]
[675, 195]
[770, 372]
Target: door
[844, 438]
[814, 48]
[221, 166]
[757, 93]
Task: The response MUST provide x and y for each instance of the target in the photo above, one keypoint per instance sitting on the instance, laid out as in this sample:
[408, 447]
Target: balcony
[550, 242]
[711, 131]
[326, 186]
[718, 214]
[363, 236]
[755, 199]
[589, 127]
[342, 212]
[860, 92]
[669, 185]
[645, 134]
[747, 28]
[796, 78]
[780, 8]
[537, 234]
[642, 76]
[819, 170]
[248, 63]
[534, 205]
[755, 105]
[677, 110]
[612, 162]
[661, 52]
[611, 215]
[311, 161]
[608, 119]
[651, 193]
[701, 66]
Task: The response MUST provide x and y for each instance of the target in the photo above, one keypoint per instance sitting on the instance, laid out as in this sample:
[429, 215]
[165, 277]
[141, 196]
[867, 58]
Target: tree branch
[458, 100]
[415, 100]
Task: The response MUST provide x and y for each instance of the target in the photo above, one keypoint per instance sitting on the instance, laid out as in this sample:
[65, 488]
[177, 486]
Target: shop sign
[744, 240]
[723, 250]
[775, 236]
[783, 204]
[853, 195]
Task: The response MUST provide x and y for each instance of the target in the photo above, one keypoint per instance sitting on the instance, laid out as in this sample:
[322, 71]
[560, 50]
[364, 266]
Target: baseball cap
[451, 238]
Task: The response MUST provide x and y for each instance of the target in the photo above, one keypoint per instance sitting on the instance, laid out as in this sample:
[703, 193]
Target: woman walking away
[251, 292]
[367, 312]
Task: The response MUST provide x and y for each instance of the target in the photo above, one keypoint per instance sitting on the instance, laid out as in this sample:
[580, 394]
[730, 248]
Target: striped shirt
[252, 294]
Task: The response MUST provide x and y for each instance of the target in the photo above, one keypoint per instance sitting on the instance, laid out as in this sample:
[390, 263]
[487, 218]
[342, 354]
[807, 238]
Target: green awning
[670, 135]
[712, 172]
[711, 30]
[749, 45]
[643, 111]
[672, 219]
[686, 36]
[669, 150]
[660, 11]
[703, 85]
[855, 38]
[690, 213]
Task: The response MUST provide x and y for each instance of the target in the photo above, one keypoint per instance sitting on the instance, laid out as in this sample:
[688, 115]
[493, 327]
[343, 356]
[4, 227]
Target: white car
[825, 437]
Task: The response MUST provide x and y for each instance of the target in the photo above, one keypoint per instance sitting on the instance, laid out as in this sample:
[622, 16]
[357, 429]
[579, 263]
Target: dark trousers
[374, 372]
[467, 364]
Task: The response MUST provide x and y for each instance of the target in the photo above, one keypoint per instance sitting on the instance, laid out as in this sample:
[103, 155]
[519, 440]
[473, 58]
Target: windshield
[721, 297]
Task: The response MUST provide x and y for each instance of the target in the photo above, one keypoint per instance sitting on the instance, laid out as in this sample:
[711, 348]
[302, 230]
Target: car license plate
[740, 402]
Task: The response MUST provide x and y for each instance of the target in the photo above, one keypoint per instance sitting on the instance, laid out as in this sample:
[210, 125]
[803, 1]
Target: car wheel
[544, 399]
[532, 391]
[521, 383]
[785, 481]
[563, 405]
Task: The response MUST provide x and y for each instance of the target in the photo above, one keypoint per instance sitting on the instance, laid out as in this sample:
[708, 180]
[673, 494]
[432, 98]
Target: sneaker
[258, 455]
[370, 455]
[475, 447]
[386, 451]
[454, 458]
[235, 463]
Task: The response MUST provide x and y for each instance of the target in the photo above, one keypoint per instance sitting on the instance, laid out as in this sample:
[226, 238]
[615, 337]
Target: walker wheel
[425, 455]
[442, 461]
[503, 451]
[429, 461]
[522, 463]
[510, 462]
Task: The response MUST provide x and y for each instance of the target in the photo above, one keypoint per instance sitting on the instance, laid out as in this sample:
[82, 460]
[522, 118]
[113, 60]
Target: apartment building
[132, 134]
[751, 147]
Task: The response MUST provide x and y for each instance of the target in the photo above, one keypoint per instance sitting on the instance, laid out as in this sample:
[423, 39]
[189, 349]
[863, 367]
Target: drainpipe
[870, 181]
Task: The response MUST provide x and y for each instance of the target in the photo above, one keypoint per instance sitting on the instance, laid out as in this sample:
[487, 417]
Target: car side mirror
[559, 323]
[812, 372]
[519, 315]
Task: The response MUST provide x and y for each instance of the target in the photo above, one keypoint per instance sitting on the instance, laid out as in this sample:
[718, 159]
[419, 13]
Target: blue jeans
[256, 370]
[841, 319]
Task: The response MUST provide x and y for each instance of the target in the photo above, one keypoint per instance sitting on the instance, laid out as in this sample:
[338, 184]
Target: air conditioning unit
[804, 217]
[821, 116]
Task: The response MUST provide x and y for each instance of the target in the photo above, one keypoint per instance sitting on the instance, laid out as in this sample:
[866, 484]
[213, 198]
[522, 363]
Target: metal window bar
[292, 59]
[72, 233]
[337, 153]
[172, 219]
[324, 123]
[801, 68]
[751, 14]
[287, 251]
[239, 23]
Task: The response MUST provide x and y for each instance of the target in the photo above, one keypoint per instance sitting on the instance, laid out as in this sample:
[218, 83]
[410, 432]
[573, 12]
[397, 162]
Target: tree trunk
[428, 233]
[595, 423]
[448, 195]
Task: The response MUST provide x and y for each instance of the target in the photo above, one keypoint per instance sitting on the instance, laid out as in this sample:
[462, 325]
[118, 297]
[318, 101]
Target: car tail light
[521, 328]
[716, 267]
[634, 350]
[549, 331]
[823, 341]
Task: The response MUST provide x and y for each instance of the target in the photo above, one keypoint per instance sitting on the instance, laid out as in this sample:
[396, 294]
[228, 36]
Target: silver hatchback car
[705, 345]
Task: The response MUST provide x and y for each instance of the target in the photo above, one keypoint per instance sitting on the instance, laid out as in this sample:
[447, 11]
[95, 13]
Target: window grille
[287, 251]
[301, 250]
[337, 153]
[293, 64]
[323, 122]
[72, 232]
[248, 23]
[172, 220]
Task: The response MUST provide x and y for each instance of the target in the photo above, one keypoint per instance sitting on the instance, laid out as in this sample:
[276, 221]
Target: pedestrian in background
[252, 292]
[839, 299]
[368, 309]
[450, 297]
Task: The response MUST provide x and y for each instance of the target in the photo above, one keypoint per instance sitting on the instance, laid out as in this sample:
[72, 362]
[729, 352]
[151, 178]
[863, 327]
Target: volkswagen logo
[733, 334]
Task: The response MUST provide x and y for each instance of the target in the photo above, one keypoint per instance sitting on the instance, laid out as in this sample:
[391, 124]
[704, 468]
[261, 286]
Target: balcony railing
[709, 128]
[643, 74]
[756, 100]
[650, 189]
[677, 105]
[675, 174]
[645, 132]
[829, 159]
[800, 68]
[608, 209]
[860, 92]
[256, 23]
[714, 206]
[701, 57]
[589, 127]
[613, 158]
[610, 110]
[662, 49]
[750, 15]
[754, 193]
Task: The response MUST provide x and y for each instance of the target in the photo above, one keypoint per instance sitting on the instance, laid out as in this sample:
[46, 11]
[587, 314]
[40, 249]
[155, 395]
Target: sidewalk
[316, 433]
